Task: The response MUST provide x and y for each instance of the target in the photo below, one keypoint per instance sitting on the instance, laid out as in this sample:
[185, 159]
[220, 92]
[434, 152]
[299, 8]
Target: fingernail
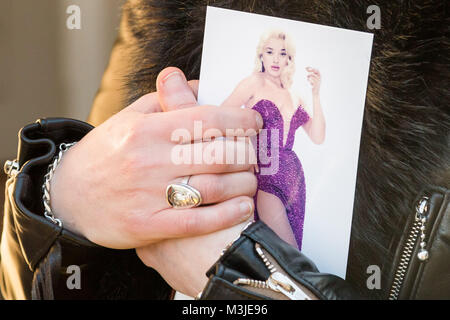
[172, 80]
[259, 121]
[246, 209]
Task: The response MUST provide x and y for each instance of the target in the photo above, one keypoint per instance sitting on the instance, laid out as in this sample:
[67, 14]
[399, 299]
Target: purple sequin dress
[283, 178]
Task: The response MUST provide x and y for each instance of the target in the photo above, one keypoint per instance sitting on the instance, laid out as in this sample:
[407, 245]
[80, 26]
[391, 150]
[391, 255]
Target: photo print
[309, 84]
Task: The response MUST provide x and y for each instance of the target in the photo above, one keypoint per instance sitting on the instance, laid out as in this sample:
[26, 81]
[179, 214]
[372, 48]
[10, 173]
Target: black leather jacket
[36, 253]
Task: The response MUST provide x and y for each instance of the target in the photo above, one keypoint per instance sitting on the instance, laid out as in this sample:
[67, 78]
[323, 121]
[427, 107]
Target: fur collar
[405, 138]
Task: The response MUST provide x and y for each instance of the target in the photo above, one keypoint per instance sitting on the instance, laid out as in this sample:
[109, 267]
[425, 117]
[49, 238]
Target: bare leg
[273, 213]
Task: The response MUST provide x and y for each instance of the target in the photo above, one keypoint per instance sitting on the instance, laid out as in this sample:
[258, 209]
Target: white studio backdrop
[343, 58]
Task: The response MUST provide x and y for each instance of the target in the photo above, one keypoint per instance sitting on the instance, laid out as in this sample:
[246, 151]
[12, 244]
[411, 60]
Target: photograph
[308, 82]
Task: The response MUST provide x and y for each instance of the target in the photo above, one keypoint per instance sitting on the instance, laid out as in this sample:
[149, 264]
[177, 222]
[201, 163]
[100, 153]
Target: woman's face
[274, 56]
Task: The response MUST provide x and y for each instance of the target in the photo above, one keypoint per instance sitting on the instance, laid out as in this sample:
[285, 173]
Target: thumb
[174, 92]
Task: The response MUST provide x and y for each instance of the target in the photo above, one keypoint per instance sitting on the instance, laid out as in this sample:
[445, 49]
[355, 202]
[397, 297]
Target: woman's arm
[243, 92]
[315, 127]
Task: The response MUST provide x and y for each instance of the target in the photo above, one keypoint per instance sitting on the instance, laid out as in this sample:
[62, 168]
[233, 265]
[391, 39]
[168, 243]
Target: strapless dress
[286, 179]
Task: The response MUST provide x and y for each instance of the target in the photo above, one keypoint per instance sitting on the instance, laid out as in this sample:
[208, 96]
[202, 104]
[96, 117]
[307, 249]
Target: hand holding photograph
[306, 178]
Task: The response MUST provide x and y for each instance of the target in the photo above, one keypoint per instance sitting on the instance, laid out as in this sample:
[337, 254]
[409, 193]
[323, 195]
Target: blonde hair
[288, 72]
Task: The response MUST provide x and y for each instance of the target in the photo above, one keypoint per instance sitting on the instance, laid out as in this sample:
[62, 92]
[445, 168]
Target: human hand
[314, 79]
[183, 262]
[110, 186]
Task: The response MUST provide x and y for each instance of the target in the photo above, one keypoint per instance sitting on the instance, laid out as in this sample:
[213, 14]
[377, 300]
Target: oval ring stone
[182, 196]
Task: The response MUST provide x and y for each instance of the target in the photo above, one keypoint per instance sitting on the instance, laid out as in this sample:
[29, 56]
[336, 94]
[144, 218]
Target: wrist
[316, 95]
[60, 192]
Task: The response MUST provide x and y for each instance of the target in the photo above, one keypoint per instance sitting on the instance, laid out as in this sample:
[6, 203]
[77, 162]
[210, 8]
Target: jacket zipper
[417, 231]
[277, 281]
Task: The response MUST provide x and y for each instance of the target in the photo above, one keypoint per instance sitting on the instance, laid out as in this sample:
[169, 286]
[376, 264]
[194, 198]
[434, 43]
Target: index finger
[203, 122]
[310, 69]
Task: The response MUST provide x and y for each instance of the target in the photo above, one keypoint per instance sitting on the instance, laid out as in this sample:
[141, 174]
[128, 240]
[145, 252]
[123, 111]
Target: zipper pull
[421, 218]
[279, 282]
[11, 168]
[408, 248]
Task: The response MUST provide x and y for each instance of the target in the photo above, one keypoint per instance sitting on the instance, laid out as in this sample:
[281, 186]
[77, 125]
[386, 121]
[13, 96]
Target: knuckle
[133, 162]
[138, 161]
[213, 188]
[159, 125]
[131, 224]
[138, 226]
[215, 117]
[189, 224]
[132, 134]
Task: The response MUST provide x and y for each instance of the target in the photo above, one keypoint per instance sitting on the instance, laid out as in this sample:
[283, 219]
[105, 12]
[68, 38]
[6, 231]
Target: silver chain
[63, 147]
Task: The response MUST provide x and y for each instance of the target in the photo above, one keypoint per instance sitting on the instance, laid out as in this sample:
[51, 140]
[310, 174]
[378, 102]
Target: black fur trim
[405, 138]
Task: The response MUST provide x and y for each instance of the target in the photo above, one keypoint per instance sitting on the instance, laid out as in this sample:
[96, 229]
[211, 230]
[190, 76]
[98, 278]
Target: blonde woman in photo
[280, 198]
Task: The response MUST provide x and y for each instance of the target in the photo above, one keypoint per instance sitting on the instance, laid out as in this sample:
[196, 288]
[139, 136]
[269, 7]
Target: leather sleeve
[35, 253]
[241, 260]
